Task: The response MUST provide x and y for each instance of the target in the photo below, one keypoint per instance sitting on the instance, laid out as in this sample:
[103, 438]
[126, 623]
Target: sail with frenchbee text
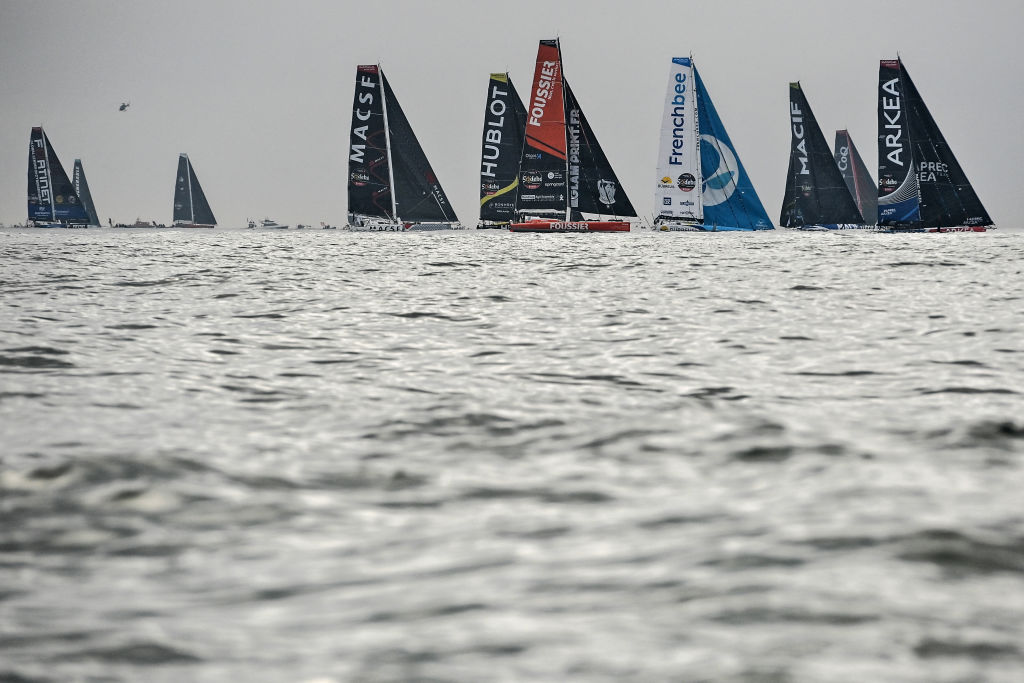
[858, 178]
[816, 194]
[502, 143]
[677, 197]
[542, 168]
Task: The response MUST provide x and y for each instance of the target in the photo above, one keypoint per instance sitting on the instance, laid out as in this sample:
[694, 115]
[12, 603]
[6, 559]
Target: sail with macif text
[921, 185]
[52, 200]
[816, 195]
[502, 142]
[81, 186]
[191, 209]
[857, 177]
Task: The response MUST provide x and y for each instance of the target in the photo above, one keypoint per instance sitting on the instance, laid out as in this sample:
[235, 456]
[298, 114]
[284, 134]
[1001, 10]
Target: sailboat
[504, 123]
[81, 186]
[921, 187]
[52, 200]
[816, 195]
[191, 210]
[858, 178]
[563, 172]
[695, 153]
[391, 185]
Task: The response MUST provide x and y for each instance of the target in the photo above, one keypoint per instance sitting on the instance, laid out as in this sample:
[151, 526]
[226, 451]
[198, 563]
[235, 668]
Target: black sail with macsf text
[369, 172]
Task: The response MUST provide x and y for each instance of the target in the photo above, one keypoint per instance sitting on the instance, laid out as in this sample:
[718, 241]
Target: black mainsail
[52, 199]
[858, 178]
[389, 176]
[920, 182]
[816, 194]
[369, 170]
[190, 205]
[82, 190]
[501, 145]
[593, 186]
[418, 194]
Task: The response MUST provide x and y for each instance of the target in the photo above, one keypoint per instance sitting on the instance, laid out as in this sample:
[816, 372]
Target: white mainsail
[678, 194]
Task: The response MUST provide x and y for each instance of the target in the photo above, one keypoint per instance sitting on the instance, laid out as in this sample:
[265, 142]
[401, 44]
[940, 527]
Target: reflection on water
[330, 457]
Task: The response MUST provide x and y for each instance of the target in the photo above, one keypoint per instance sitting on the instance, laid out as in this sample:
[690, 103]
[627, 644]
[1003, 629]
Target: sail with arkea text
[857, 177]
[816, 195]
[391, 185]
[52, 200]
[921, 185]
[566, 183]
[81, 186]
[502, 143]
[191, 209]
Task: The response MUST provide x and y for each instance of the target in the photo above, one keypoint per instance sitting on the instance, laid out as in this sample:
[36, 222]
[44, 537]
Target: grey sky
[259, 94]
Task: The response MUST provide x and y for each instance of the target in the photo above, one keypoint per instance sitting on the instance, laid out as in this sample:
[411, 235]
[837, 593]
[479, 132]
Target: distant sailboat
[391, 186]
[816, 195]
[858, 178]
[82, 189]
[695, 153]
[52, 200]
[921, 187]
[191, 210]
[504, 123]
[563, 172]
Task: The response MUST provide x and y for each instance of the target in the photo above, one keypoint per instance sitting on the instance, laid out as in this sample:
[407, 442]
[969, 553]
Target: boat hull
[570, 226]
[958, 228]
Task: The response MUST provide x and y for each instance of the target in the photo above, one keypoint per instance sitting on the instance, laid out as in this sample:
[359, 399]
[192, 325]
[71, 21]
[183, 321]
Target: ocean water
[323, 456]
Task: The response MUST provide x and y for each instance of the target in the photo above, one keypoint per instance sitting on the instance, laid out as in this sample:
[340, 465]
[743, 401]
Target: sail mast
[387, 143]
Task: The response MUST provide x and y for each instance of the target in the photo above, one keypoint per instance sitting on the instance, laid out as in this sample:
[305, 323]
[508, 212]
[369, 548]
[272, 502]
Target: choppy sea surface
[325, 456]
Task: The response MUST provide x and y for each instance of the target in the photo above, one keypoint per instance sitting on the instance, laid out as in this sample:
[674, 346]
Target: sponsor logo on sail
[359, 177]
[492, 131]
[679, 108]
[892, 114]
[544, 91]
[531, 180]
[490, 187]
[799, 141]
[606, 191]
[686, 182]
[361, 112]
[843, 162]
[720, 184]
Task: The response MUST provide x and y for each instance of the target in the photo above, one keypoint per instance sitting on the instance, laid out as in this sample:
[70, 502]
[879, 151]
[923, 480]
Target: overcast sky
[259, 94]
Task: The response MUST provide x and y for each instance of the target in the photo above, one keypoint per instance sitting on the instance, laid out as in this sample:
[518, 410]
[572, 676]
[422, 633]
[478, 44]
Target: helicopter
[124, 106]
